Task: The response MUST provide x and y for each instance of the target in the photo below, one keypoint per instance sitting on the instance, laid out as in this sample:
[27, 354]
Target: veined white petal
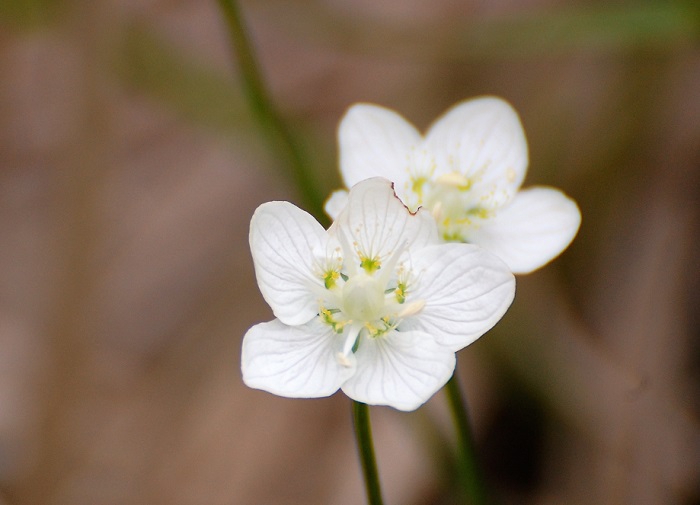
[466, 292]
[335, 203]
[286, 243]
[483, 140]
[532, 230]
[294, 361]
[375, 142]
[378, 225]
[399, 369]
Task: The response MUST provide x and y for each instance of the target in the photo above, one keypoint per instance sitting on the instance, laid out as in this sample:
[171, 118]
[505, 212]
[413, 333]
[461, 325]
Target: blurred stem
[363, 434]
[469, 475]
[282, 141]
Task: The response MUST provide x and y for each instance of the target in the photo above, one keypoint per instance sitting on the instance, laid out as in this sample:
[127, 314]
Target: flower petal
[377, 224]
[375, 142]
[399, 369]
[335, 203]
[466, 291]
[293, 361]
[286, 244]
[483, 140]
[532, 230]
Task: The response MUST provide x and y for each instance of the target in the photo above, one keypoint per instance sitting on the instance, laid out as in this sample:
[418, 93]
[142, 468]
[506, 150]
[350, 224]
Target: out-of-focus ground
[130, 167]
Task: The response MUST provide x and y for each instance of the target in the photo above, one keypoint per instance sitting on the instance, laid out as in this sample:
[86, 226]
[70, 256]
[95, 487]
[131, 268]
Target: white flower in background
[467, 171]
[376, 305]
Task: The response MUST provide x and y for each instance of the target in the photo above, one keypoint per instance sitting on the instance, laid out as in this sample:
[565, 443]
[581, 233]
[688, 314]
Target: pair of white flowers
[411, 270]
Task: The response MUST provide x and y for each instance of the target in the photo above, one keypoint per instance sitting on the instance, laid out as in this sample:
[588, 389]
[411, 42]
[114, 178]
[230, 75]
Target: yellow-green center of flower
[363, 298]
[367, 303]
[454, 206]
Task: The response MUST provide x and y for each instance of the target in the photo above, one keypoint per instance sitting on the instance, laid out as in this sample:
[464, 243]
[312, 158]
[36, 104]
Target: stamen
[343, 360]
[437, 210]
[330, 277]
[350, 266]
[349, 343]
[411, 309]
[455, 179]
[391, 263]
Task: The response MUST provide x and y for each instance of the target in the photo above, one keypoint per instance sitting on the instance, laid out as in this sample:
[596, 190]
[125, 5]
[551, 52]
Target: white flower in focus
[467, 171]
[376, 305]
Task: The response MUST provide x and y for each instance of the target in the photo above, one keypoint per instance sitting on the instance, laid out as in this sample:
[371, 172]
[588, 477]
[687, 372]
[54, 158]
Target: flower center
[454, 206]
[363, 298]
[368, 301]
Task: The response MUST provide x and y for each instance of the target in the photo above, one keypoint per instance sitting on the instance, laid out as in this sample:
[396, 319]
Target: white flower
[376, 305]
[467, 171]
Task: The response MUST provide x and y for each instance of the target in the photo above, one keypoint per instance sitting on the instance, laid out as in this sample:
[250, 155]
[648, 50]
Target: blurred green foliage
[27, 14]
[195, 92]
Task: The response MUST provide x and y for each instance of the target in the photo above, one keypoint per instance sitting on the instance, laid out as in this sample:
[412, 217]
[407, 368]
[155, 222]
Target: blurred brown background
[129, 169]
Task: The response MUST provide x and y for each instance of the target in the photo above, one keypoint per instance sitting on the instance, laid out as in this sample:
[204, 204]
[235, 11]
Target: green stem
[470, 476]
[363, 433]
[280, 138]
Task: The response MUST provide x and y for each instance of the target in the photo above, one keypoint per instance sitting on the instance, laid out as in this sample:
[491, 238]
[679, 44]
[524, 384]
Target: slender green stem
[363, 434]
[282, 141]
[470, 476]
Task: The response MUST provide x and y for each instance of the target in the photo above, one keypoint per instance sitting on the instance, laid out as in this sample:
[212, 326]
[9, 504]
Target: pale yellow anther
[454, 179]
[411, 309]
[437, 210]
[343, 360]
